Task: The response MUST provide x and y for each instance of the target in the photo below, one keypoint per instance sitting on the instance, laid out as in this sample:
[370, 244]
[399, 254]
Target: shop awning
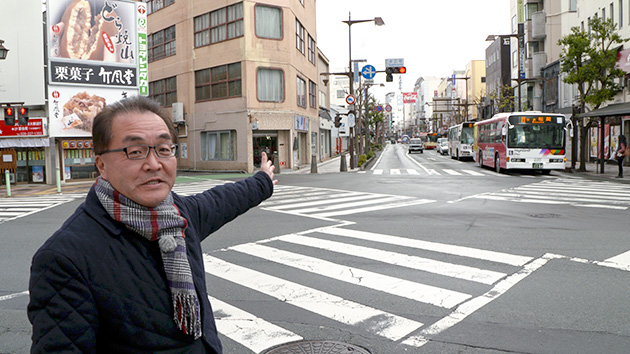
[24, 143]
[612, 110]
[323, 113]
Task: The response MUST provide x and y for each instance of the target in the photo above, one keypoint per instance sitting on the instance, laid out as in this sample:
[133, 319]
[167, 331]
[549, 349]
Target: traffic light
[337, 121]
[22, 116]
[9, 117]
[394, 70]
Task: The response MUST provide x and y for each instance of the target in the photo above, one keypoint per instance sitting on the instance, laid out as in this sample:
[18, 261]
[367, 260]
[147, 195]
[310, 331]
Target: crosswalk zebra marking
[325, 204]
[394, 171]
[387, 284]
[399, 259]
[468, 252]
[451, 172]
[473, 173]
[565, 191]
[331, 306]
[247, 329]
[411, 171]
[377, 172]
[19, 207]
[399, 204]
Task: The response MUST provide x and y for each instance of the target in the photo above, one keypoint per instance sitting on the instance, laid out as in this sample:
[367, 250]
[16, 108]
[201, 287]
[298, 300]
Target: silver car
[415, 145]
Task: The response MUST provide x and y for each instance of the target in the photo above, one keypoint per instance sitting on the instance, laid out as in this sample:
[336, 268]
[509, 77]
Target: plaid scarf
[164, 224]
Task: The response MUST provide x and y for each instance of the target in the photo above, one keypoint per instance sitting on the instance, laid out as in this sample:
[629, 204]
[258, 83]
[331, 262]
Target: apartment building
[241, 77]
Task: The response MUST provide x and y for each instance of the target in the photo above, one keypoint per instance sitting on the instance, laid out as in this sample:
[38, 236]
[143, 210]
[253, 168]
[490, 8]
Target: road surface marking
[331, 306]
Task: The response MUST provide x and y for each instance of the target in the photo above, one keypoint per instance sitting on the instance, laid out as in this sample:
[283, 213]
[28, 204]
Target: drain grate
[316, 347]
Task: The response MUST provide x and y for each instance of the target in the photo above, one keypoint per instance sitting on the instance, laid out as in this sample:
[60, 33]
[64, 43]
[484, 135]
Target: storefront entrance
[264, 142]
[31, 165]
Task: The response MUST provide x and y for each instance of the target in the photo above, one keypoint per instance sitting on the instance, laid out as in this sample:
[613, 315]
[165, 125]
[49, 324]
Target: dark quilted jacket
[96, 287]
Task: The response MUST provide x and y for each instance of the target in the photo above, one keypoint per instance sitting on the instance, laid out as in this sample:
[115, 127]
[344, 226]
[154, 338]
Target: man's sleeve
[61, 307]
[222, 204]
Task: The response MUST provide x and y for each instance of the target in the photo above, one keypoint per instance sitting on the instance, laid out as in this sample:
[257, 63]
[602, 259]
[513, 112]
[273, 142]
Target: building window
[270, 85]
[312, 94]
[572, 5]
[219, 82]
[218, 145]
[164, 91]
[311, 49]
[299, 36]
[620, 13]
[154, 5]
[301, 92]
[268, 22]
[161, 44]
[219, 25]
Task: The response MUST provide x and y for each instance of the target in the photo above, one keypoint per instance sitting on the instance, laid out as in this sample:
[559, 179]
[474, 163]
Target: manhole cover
[316, 347]
[545, 216]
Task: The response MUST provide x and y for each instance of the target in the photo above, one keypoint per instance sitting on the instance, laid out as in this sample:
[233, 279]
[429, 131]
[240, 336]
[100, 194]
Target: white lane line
[374, 199]
[374, 208]
[466, 309]
[621, 259]
[468, 252]
[387, 284]
[334, 307]
[12, 296]
[327, 201]
[247, 329]
[427, 170]
[473, 173]
[451, 172]
[398, 259]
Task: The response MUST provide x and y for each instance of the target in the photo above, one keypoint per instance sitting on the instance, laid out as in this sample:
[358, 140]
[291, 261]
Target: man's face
[147, 181]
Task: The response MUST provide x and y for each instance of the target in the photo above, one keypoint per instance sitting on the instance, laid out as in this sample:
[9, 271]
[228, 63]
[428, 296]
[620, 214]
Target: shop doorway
[267, 143]
[31, 165]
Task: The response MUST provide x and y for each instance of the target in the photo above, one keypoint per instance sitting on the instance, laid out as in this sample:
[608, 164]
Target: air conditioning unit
[178, 112]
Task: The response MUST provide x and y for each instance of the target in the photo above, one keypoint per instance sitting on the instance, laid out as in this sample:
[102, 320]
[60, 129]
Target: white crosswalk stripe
[576, 192]
[18, 207]
[239, 265]
[428, 171]
[327, 203]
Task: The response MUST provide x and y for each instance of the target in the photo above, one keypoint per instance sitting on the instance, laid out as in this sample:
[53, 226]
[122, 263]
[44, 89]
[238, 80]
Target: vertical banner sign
[143, 61]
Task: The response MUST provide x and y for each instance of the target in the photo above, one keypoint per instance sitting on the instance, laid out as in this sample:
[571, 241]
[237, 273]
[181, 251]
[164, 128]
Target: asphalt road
[418, 254]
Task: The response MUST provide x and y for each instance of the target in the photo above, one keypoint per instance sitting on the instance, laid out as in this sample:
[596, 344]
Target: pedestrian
[125, 273]
[622, 152]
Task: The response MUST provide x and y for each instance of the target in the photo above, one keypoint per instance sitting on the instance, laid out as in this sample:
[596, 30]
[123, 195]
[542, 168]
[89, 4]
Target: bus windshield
[535, 132]
[467, 135]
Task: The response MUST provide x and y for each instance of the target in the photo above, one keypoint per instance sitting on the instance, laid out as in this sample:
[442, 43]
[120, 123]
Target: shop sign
[301, 123]
[35, 127]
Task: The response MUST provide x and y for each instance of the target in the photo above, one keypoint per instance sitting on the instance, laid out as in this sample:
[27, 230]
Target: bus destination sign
[537, 120]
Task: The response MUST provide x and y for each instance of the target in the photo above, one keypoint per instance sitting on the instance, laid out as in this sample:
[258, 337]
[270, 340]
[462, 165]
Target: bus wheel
[546, 172]
[497, 166]
[457, 155]
[480, 159]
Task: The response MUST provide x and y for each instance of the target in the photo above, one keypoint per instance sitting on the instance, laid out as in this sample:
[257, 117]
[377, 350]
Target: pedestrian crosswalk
[344, 256]
[326, 203]
[431, 172]
[18, 207]
[571, 191]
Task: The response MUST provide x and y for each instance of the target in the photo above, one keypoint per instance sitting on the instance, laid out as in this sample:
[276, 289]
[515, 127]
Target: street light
[521, 47]
[379, 22]
[3, 51]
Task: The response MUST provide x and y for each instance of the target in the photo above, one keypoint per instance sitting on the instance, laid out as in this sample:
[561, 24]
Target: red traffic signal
[9, 118]
[23, 116]
[402, 70]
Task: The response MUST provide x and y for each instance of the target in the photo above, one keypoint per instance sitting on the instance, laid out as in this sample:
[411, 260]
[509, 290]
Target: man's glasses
[141, 152]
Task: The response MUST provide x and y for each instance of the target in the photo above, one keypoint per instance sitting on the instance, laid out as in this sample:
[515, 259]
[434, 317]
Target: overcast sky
[433, 37]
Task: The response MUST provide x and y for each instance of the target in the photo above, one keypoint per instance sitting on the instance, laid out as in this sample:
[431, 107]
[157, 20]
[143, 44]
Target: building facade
[241, 77]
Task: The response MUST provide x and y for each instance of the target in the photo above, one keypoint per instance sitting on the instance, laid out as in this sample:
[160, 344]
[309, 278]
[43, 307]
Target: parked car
[415, 145]
[443, 147]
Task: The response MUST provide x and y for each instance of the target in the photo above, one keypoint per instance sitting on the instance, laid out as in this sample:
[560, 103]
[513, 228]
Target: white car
[442, 148]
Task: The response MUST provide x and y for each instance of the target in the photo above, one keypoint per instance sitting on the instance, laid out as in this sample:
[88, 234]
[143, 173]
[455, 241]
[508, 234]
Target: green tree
[588, 59]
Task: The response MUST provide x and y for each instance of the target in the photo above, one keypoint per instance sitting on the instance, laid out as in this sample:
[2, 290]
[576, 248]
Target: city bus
[429, 140]
[461, 139]
[521, 140]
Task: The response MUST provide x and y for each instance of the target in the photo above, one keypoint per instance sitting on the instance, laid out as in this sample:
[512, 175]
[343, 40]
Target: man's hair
[102, 126]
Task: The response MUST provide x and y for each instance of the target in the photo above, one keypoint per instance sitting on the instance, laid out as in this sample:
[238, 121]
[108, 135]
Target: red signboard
[35, 127]
[410, 97]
